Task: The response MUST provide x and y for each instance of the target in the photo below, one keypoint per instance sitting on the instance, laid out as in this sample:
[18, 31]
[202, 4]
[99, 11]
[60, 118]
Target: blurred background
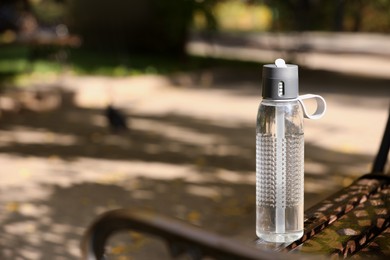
[151, 105]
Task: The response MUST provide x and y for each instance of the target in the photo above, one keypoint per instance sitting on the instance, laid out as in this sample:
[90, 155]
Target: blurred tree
[356, 8]
[151, 26]
[301, 15]
[369, 16]
[337, 15]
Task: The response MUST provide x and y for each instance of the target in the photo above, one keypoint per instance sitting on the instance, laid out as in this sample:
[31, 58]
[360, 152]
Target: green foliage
[49, 11]
[236, 15]
[12, 59]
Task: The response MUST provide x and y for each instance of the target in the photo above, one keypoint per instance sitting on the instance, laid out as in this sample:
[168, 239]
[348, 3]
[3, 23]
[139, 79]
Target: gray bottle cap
[280, 81]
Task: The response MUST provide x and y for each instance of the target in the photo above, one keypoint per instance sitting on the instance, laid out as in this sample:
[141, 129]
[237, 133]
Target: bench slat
[353, 231]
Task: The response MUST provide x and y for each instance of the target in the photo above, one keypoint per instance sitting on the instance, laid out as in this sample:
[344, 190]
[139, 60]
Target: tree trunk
[339, 16]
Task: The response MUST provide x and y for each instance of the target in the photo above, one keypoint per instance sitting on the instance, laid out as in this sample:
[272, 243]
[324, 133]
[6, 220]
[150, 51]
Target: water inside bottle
[268, 188]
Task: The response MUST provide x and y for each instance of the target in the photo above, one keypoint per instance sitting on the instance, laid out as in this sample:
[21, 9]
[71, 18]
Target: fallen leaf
[193, 217]
[12, 206]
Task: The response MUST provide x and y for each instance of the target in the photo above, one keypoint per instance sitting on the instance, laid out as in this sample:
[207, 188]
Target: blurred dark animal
[116, 120]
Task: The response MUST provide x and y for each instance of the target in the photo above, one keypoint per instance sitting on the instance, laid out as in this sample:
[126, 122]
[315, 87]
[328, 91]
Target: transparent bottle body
[279, 171]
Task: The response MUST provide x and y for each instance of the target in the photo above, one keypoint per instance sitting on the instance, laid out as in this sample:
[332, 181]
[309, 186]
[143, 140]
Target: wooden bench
[354, 221]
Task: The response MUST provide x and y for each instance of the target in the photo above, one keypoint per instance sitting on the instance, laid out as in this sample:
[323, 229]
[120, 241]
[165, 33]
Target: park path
[189, 154]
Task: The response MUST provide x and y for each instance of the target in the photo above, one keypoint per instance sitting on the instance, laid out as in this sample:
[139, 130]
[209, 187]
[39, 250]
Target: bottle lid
[280, 81]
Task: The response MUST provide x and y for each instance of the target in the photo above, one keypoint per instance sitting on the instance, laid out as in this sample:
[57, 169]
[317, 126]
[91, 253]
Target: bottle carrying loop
[321, 106]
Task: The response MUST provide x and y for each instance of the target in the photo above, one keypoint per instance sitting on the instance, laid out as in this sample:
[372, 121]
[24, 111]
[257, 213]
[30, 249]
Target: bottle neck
[279, 101]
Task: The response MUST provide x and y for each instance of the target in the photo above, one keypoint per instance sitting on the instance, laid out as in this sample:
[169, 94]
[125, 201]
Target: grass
[127, 64]
[20, 65]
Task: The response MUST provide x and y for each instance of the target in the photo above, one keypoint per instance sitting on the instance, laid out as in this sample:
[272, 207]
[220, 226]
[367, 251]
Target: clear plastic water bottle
[280, 153]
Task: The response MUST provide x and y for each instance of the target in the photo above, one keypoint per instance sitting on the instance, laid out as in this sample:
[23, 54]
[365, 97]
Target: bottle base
[280, 238]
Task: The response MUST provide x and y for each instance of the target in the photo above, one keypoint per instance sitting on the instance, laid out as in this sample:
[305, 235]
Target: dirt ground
[189, 154]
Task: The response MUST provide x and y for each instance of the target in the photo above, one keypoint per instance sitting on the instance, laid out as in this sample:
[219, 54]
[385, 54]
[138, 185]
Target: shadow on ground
[51, 226]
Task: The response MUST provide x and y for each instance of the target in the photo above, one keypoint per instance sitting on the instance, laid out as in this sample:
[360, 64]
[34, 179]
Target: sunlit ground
[189, 154]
